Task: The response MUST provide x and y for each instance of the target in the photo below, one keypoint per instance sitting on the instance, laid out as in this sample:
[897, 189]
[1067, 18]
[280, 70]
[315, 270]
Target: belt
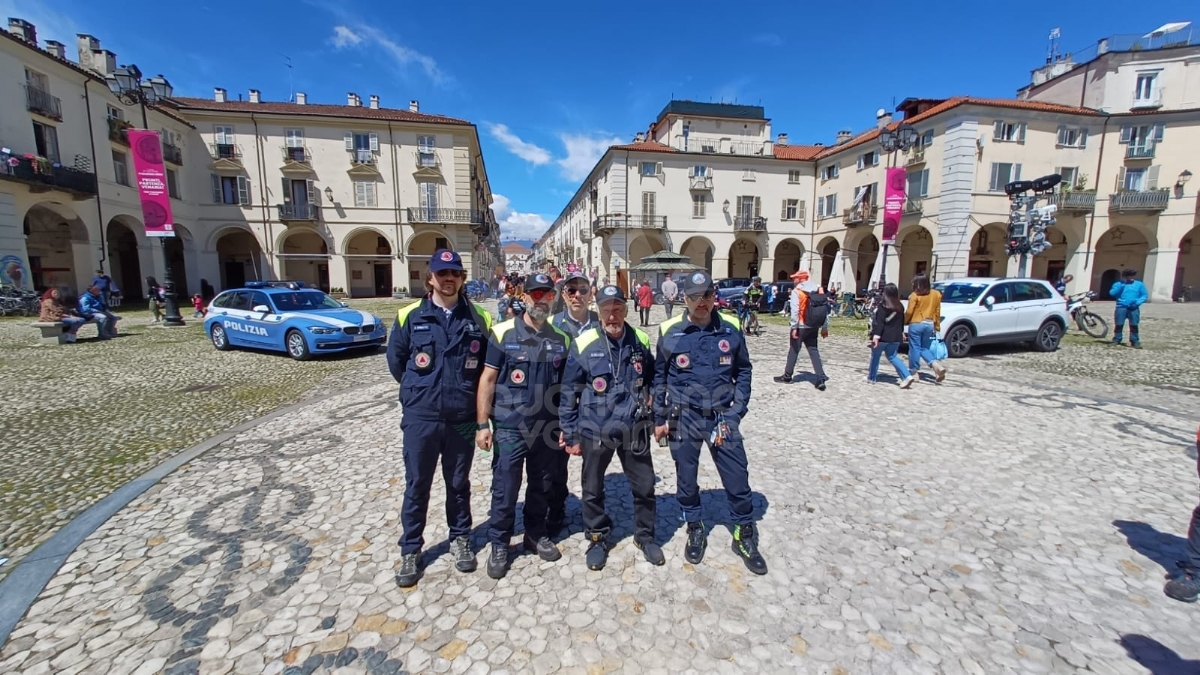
[708, 411]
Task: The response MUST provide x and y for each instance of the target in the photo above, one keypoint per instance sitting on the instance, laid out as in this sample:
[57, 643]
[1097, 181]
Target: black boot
[697, 542]
[497, 564]
[745, 544]
[597, 553]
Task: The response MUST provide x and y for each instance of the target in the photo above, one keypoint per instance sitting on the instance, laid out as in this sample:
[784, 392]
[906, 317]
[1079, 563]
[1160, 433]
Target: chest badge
[726, 360]
[600, 385]
[517, 377]
[558, 361]
[422, 360]
[682, 361]
[474, 348]
[637, 366]
[723, 345]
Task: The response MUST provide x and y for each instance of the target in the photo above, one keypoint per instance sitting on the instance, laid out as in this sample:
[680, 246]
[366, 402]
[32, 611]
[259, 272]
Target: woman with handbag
[887, 330]
[924, 319]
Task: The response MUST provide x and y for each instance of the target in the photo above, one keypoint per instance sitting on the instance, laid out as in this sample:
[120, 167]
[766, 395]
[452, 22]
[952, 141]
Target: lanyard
[608, 350]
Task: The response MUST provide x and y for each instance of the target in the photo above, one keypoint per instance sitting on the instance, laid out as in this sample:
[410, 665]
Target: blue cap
[609, 293]
[445, 259]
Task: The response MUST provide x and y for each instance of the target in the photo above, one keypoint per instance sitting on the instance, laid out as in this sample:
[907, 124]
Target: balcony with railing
[702, 183]
[42, 175]
[610, 222]
[41, 102]
[860, 215]
[1139, 152]
[422, 214]
[1140, 200]
[361, 156]
[1080, 201]
[1149, 101]
[720, 146]
[427, 159]
[749, 224]
[913, 206]
[298, 212]
[226, 151]
[117, 129]
[296, 154]
[172, 154]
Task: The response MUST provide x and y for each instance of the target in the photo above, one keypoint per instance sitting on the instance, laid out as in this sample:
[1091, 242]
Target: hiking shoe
[697, 542]
[1185, 587]
[1136, 345]
[497, 564]
[784, 379]
[555, 521]
[652, 552]
[745, 544]
[464, 557]
[939, 371]
[907, 382]
[546, 550]
[820, 384]
[410, 570]
[597, 555]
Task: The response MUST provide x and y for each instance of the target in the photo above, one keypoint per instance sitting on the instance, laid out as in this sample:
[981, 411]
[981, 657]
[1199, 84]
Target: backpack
[818, 310]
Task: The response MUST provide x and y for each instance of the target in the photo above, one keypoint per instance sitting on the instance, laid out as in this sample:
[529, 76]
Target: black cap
[609, 293]
[538, 282]
[698, 282]
[576, 276]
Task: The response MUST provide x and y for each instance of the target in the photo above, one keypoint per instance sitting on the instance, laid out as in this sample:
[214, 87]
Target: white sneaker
[907, 382]
[71, 337]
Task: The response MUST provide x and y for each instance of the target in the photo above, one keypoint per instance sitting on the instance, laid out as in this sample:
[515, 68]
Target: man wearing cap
[810, 316]
[517, 393]
[702, 383]
[572, 320]
[436, 352]
[606, 410]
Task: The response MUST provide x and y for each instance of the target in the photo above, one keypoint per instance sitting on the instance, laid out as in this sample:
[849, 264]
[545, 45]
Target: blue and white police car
[288, 316]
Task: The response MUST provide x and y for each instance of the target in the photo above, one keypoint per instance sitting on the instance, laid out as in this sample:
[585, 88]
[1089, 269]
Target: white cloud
[50, 24]
[344, 37]
[583, 151]
[359, 36]
[514, 224]
[534, 154]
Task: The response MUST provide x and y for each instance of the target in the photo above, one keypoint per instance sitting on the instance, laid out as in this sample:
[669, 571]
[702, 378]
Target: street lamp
[903, 137]
[126, 83]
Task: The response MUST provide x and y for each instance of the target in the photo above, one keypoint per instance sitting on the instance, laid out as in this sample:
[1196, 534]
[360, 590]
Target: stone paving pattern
[1003, 521]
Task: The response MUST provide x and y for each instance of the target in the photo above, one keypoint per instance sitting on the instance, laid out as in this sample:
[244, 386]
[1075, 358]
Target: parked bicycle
[1185, 294]
[1088, 321]
[16, 301]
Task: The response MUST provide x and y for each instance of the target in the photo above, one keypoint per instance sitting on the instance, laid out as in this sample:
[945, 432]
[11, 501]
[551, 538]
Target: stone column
[1159, 275]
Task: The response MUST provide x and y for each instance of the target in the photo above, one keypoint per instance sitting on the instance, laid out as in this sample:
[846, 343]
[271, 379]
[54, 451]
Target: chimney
[301, 98]
[87, 45]
[255, 96]
[843, 136]
[352, 99]
[414, 106]
[58, 49]
[883, 118]
[218, 94]
[639, 137]
[24, 30]
[782, 140]
[104, 62]
[374, 102]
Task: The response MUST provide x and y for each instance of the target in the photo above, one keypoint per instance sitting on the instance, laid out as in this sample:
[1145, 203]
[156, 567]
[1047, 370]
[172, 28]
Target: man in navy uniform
[702, 384]
[436, 352]
[517, 393]
[606, 410]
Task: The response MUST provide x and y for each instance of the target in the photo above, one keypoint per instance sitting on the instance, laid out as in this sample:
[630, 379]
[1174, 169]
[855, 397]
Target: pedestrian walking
[107, 286]
[670, 292]
[887, 331]
[809, 318]
[198, 306]
[436, 352]
[645, 300]
[924, 320]
[1130, 294]
[1185, 584]
[517, 395]
[701, 393]
[605, 411]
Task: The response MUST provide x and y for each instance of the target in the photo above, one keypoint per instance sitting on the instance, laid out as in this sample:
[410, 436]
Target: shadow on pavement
[1161, 547]
[1156, 657]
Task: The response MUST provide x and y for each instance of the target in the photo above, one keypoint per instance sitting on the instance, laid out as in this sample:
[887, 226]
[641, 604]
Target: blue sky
[551, 84]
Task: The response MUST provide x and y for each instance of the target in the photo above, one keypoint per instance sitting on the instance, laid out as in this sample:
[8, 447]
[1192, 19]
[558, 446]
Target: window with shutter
[758, 207]
[698, 205]
[1120, 179]
[821, 207]
[648, 203]
[243, 191]
[1152, 178]
[998, 131]
[295, 138]
[216, 188]
[994, 184]
[928, 139]
[1126, 134]
[312, 192]
[287, 190]
[374, 139]
[1021, 133]
[349, 137]
[1158, 132]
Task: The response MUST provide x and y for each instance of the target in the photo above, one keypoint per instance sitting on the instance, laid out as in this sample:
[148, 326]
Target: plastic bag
[938, 348]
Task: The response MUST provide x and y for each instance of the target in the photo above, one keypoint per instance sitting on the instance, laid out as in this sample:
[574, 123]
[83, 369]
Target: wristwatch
[483, 426]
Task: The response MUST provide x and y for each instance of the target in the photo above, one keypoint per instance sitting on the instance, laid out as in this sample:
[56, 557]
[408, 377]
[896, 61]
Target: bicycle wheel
[1093, 324]
[860, 310]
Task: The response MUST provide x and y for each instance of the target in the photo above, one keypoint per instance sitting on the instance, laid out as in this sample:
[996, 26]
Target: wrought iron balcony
[701, 183]
[172, 154]
[117, 129]
[41, 102]
[749, 224]
[421, 214]
[42, 175]
[1075, 200]
[296, 154]
[1140, 200]
[427, 159]
[913, 206]
[362, 157]
[1139, 152]
[610, 222]
[861, 215]
[226, 151]
[298, 212]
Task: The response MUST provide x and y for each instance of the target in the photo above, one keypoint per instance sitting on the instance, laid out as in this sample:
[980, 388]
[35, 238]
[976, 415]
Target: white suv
[980, 310]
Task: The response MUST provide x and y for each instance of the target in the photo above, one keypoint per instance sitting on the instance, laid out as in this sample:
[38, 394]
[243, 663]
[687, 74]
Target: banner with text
[893, 203]
[151, 179]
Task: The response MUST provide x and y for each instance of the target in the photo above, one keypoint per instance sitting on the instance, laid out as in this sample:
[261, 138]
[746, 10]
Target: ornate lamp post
[126, 83]
[903, 137]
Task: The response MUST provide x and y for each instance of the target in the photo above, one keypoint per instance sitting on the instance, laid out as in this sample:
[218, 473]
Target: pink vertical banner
[893, 203]
[151, 182]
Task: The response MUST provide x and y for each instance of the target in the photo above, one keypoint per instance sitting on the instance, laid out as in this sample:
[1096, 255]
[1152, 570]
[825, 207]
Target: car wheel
[1048, 337]
[958, 341]
[219, 339]
[297, 348]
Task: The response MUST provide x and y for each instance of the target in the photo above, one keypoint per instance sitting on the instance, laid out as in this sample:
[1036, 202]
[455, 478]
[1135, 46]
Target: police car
[288, 316]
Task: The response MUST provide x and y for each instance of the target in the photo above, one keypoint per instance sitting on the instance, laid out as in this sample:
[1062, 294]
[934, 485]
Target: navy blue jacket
[564, 322]
[602, 384]
[703, 367]
[437, 359]
[531, 365]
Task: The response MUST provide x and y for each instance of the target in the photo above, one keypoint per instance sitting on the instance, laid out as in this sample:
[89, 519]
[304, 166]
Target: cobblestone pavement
[1003, 521]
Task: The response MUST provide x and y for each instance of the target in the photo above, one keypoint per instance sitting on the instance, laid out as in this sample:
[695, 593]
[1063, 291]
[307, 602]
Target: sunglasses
[707, 295]
[449, 273]
[539, 294]
[575, 290]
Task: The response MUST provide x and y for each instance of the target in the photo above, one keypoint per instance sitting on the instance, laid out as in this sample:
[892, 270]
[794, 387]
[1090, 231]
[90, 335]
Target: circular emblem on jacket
[558, 361]
[599, 384]
[422, 360]
[723, 345]
[682, 361]
[474, 346]
[517, 376]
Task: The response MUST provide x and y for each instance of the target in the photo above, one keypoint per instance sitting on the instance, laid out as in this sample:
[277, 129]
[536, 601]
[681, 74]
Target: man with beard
[436, 352]
[702, 384]
[523, 371]
[606, 410]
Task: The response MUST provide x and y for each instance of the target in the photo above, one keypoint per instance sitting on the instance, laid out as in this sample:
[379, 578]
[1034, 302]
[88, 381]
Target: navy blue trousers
[692, 432]
[425, 441]
[519, 453]
[1193, 540]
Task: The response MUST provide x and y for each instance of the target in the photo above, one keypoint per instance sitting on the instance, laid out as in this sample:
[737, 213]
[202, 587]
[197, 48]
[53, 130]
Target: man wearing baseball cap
[436, 352]
[810, 316]
[606, 410]
[516, 403]
[702, 384]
